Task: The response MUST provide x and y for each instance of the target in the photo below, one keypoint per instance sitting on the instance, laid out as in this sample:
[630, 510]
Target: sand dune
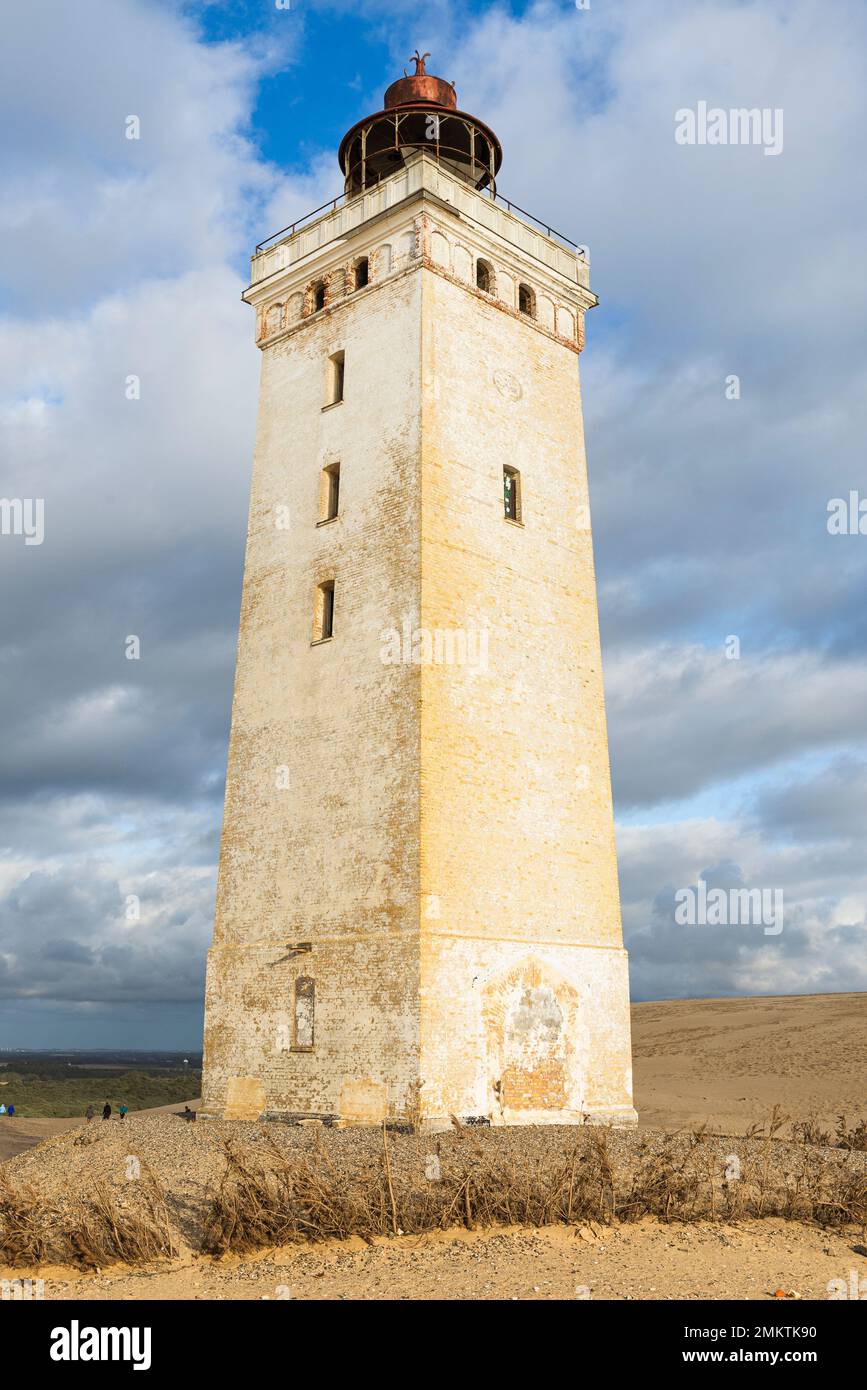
[729, 1061]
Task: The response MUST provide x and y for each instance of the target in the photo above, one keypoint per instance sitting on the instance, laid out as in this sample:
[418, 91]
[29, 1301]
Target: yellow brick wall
[329, 856]
[439, 835]
[516, 816]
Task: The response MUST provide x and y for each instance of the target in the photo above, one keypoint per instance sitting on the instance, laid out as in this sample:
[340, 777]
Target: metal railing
[334, 203]
[550, 231]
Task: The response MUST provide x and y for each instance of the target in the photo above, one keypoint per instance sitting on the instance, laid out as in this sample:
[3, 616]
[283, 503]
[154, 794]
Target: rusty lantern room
[420, 113]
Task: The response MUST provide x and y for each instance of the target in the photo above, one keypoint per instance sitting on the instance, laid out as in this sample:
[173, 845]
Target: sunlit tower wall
[417, 911]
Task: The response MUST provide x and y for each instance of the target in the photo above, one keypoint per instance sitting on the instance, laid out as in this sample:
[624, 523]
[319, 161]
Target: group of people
[122, 1110]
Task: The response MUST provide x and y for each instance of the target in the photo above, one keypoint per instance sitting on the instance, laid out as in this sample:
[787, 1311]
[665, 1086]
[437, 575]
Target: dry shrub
[844, 1135]
[102, 1232]
[272, 1198]
[269, 1196]
[30, 1225]
[852, 1137]
[271, 1202]
[88, 1231]
[810, 1132]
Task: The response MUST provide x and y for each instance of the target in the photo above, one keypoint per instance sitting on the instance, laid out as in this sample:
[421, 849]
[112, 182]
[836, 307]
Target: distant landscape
[49, 1085]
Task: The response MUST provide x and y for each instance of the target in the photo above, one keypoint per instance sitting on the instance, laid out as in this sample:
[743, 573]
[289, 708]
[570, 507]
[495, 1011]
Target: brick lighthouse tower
[417, 911]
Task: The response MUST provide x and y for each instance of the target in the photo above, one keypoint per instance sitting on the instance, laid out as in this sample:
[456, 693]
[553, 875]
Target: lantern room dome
[420, 112]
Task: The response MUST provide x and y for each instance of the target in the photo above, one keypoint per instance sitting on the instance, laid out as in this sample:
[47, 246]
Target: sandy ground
[756, 1260]
[728, 1061]
[720, 1062]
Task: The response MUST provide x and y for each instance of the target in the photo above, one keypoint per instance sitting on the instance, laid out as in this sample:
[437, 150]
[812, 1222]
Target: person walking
[123, 1110]
[11, 1110]
[88, 1114]
[106, 1111]
[2, 1109]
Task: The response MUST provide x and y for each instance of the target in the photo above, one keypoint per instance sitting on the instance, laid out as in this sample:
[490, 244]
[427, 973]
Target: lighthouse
[417, 910]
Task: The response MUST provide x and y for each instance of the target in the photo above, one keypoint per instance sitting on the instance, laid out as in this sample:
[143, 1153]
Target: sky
[740, 762]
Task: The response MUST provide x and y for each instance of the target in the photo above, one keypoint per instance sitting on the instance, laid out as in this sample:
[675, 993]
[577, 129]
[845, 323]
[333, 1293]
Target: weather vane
[418, 59]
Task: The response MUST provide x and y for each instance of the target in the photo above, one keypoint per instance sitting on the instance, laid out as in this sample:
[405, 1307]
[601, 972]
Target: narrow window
[323, 619]
[362, 273]
[484, 277]
[512, 494]
[527, 301]
[305, 997]
[330, 492]
[335, 378]
[319, 296]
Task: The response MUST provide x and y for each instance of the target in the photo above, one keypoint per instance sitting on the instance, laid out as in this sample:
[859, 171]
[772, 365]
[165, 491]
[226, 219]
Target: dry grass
[254, 1187]
[88, 1232]
[267, 1199]
[845, 1136]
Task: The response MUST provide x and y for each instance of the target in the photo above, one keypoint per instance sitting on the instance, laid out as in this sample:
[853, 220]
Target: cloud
[684, 718]
[87, 210]
[128, 261]
[820, 947]
[829, 805]
[127, 258]
[71, 939]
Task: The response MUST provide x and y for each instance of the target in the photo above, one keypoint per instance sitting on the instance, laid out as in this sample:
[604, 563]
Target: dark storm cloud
[830, 805]
[66, 936]
[684, 718]
[80, 716]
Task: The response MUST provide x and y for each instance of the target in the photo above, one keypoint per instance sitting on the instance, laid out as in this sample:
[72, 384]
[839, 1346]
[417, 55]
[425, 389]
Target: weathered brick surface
[439, 834]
